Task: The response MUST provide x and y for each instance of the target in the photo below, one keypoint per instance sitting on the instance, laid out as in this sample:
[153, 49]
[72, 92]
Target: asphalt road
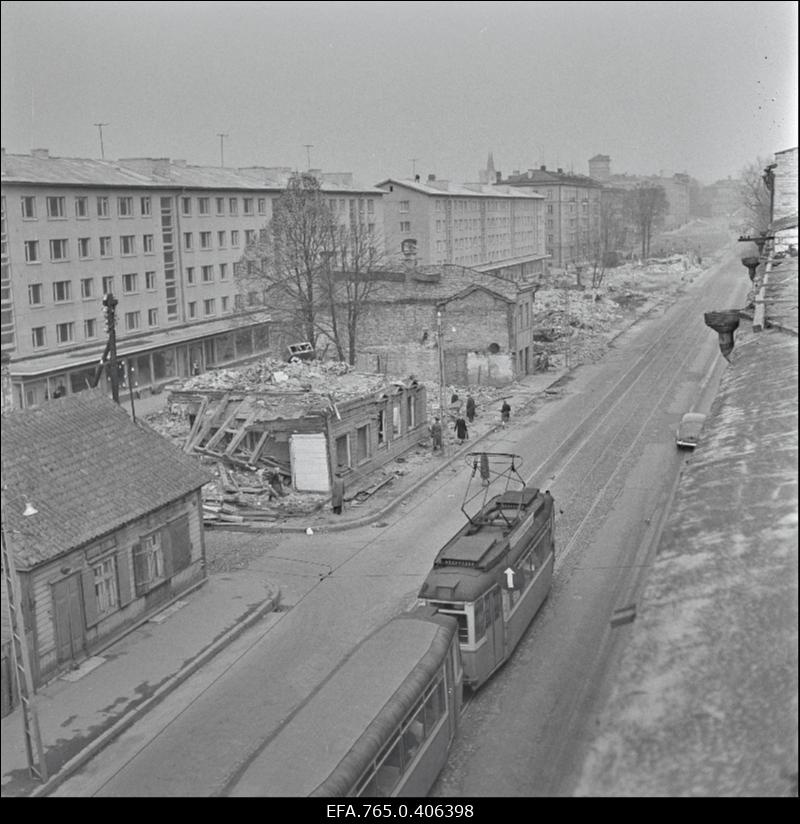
[604, 449]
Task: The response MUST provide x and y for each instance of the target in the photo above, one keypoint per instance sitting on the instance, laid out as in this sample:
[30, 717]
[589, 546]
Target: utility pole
[19, 642]
[221, 137]
[440, 344]
[102, 149]
[309, 147]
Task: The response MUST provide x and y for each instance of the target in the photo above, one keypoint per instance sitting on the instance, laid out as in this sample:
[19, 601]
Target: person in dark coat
[436, 435]
[337, 494]
[505, 412]
[470, 408]
[461, 429]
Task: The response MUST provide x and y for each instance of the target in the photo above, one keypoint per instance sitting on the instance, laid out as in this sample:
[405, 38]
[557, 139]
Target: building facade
[572, 211]
[487, 228]
[162, 236]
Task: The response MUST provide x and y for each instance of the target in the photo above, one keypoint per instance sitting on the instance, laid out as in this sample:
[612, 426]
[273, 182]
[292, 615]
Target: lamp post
[440, 344]
[19, 643]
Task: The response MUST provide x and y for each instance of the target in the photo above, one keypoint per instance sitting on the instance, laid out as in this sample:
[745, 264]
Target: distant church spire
[488, 175]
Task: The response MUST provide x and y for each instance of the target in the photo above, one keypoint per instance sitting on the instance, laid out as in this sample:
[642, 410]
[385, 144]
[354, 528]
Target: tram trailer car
[380, 725]
[493, 577]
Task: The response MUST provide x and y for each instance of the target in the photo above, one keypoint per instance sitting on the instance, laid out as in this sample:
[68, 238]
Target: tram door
[494, 615]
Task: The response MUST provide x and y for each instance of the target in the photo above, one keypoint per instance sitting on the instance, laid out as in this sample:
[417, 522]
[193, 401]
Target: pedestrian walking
[505, 412]
[470, 408]
[337, 494]
[436, 435]
[461, 429]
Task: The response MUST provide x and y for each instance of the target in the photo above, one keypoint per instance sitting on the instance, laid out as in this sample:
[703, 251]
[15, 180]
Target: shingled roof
[88, 470]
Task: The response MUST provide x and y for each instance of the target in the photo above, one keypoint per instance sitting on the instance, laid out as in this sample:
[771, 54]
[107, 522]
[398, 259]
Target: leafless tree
[756, 197]
[312, 270]
[646, 206]
[610, 236]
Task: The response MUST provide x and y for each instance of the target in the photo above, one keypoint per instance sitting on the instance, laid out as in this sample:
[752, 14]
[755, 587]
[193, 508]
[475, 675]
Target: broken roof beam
[212, 416]
[241, 433]
[196, 424]
[224, 427]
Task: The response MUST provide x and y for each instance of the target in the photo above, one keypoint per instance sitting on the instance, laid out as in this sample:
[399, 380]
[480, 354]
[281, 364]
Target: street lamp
[440, 343]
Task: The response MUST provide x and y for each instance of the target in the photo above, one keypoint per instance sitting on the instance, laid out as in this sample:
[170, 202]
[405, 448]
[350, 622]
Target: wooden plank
[212, 419]
[220, 433]
[196, 425]
[260, 445]
[241, 433]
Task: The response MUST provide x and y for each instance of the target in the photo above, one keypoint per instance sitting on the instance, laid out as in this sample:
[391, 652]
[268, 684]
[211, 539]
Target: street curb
[129, 719]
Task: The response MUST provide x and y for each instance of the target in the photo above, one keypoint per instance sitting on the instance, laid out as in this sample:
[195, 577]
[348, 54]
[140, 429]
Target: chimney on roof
[42, 154]
[431, 178]
[498, 177]
[560, 170]
[543, 168]
[416, 178]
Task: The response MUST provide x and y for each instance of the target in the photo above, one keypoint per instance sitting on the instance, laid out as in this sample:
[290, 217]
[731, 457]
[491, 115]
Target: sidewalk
[82, 711]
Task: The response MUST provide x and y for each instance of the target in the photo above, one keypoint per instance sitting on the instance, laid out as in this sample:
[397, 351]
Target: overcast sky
[697, 87]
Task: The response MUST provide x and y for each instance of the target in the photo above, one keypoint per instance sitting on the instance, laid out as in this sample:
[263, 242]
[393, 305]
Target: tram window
[414, 734]
[388, 773]
[497, 606]
[540, 550]
[369, 789]
[480, 620]
[434, 707]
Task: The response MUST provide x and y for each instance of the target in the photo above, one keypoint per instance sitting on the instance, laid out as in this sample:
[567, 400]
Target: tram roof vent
[471, 551]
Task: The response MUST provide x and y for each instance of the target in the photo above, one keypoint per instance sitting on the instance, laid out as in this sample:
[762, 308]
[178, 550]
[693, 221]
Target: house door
[68, 614]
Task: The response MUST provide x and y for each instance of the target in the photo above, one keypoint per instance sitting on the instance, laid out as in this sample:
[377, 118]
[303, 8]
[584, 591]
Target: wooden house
[103, 517]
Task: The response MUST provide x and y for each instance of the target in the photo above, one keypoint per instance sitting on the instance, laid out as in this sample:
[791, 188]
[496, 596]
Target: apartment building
[162, 236]
[571, 211]
[491, 229]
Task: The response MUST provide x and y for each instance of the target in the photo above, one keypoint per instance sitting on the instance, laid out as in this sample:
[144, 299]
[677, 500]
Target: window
[37, 337]
[31, 251]
[35, 294]
[247, 205]
[58, 250]
[148, 562]
[90, 329]
[55, 208]
[224, 301]
[29, 208]
[84, 247]
[207, 273]
[82, 208]
[262, 205]
[203, 206]
[150, 281]
[186, 206]
[222, 240]
[105, 586]
[102, 207]
[233, 205]
[87, 287]
[62, 291]
[405, 207]
[105, 247]
[187, 241]
[405, 226]
[65, 332]
[205, 240]
[192, 309]
[145, 206]
[249, 236]
[235, 238]
[190, 275]
[131, 321]
[125, 206]
[108, 284]
[127, 245]
[209, 306]
[152, 317]
[129, 284]
[147, 244]
[223, 271]
[220, 205]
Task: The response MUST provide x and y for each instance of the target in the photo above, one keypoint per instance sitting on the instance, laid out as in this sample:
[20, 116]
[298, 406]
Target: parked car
[689, 429]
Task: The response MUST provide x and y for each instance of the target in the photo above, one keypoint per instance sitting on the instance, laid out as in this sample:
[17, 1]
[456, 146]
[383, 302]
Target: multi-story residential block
[162, 236]
[491, 229]
[572, 211]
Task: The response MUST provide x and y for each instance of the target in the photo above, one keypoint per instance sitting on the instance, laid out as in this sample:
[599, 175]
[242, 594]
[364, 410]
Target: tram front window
[458, 611]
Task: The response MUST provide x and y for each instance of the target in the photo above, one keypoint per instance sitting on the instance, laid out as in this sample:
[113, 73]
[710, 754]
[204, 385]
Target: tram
[496, 572]
[380, 725]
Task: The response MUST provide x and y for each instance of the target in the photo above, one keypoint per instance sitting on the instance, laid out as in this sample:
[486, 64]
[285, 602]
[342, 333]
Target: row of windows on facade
[131, 283]
[65, 332]
[60, 247]
[56, 206]
[470, 205]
